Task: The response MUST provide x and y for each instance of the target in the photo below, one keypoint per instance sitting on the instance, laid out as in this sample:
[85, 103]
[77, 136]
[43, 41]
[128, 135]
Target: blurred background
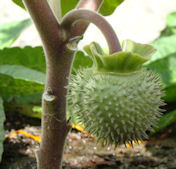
[137, 20]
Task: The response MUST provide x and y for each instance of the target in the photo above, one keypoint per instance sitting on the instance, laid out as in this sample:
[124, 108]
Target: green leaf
[107, 7]
[2, 132]
[34, 58]
[165, 46]
[9, 32]
[168, 31]
[170, 28]
[67, 5]
[29, 57]
[28, 105]
[15, 80]
[25, 99]
[166, 68]
[164, 63]
[25, 109]
[170, 19]
[165, 120]
[170, 93]
[19, 3]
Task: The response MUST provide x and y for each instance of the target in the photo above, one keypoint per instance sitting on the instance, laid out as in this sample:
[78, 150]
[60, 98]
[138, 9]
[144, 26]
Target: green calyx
[129, 60]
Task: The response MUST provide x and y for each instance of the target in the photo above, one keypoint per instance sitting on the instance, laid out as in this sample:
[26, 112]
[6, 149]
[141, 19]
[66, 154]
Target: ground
[82, 152]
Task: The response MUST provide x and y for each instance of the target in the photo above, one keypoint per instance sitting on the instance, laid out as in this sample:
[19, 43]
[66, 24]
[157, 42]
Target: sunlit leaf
[67, 5]
[164, 63]
[28, 56]
[20, 80]
[170, 20]
[165, 46]
[9, 32]
[166, 68]
[109, 6]
[19, 3]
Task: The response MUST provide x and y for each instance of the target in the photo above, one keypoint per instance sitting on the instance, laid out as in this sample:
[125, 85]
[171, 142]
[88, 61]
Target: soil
[82, 152]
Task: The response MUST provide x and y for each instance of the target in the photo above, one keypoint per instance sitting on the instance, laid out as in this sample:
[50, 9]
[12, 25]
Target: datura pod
[117, 100]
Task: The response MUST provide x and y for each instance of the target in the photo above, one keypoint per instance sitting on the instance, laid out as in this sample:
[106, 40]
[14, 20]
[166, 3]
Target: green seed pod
[117, 100]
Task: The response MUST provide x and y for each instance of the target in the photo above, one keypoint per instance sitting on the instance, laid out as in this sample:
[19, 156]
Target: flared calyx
[117, 100]
[129, 60]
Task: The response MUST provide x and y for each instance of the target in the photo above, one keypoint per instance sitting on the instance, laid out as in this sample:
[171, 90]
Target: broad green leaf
[107, 7]
[34, 58]
[168, 31]
[15, 80]
[166, 68]
[164, 62]
[19, 3]
[170, 28]
[24, 99]
[165, 120]
[2, 132]
[67, 5]
[165, 46]
[29, 57]
[9, 32]
[170, 19]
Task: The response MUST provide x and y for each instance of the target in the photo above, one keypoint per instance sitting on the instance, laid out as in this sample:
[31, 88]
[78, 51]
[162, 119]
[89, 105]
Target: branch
[93, 5]
[82, 14]
[46, 23]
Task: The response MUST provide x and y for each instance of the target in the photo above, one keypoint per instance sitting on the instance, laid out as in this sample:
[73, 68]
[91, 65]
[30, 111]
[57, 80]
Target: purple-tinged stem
[71, 18]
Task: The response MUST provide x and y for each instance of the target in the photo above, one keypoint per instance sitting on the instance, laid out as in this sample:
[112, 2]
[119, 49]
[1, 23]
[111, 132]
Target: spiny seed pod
[117, 100]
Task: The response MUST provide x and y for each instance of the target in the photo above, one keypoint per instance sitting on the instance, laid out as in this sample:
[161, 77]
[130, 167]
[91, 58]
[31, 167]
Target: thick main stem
[54, 124]
[71, 18]
[58, 60]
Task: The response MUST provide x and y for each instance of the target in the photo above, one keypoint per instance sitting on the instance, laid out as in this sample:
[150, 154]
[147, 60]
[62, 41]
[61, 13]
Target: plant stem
[58, 61]
[83, 14]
